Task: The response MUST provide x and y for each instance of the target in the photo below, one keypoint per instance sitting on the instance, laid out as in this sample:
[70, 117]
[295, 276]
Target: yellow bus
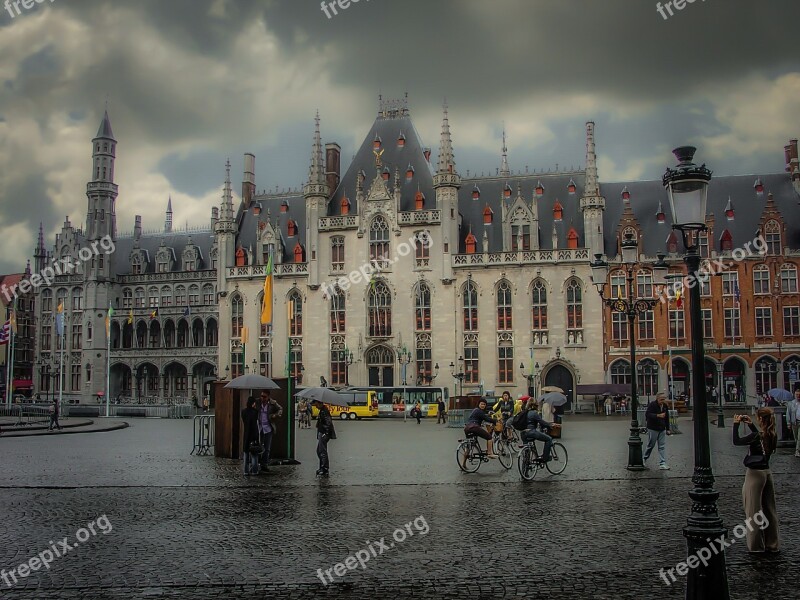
[360, 404]
[398, 401]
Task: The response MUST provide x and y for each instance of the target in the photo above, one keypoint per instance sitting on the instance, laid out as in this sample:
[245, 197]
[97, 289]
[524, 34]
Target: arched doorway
[121, 381]
[681, 381]
[380, 366]
[791, 373]
[733, 378]
[560, 376]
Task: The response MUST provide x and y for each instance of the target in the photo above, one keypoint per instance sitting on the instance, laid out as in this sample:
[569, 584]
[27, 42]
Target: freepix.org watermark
[330, 7]
[714, 547]
[364, 272]
[59, 550]
[373, 550]
[666, 10]
[710, 268]
[12, 6]
[61, 266]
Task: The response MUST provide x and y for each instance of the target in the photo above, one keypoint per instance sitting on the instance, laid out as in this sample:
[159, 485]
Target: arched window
[644, 284]
[337, 253]
[789, 279]
[772, 236]
[618, 285]
[539, 306]
[574, 305]
[237, 316]
[153, 296]
[647, 377]
[127, 298]
[422, 307]
[504, 306]
[47, 300]
[791, 373]
[380, 310]
[761, 280]
[166, 296]
[621, 372]
[766, 374]
[208, 294]
[180, 295]
[379, 242]
[139, 297]
[470, 307]
[296, 323]
[337, 312]
[422, 248]
[194, 294]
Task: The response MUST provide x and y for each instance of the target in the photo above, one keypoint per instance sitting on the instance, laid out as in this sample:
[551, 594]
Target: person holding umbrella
[325, 433]
[269, 412]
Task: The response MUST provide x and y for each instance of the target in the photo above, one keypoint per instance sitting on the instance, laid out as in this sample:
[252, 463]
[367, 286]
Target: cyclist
[475, 425]
[503, 409]
[535, 421]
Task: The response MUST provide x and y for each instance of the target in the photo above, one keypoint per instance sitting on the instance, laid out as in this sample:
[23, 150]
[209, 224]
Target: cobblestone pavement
[194, 527]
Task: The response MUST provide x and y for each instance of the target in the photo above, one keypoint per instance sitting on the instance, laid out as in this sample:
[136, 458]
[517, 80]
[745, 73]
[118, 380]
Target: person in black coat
[250, 436]
[325, 433]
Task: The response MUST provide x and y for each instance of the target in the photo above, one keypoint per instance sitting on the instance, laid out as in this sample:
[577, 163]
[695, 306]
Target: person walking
[302, 411]
[441, 414]
[416, 412]
[54, 411]
[793, 418]
[758, 491]
[325, 433]
[250, 443]
[205, 404]
[657, 417]
[268, 414]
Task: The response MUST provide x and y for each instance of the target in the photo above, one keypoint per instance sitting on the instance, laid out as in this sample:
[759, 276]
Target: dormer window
[729, 213]
[726, 241]
[291, 228]
[626, 195]
[298, 253]
[571, 187]
[256, 209]
[488, 215]
[241, 257]
[558, 211]
[401, 141]
[427, 154]
[410, 172]
[758, 186]
[507, 191]
[572, 238]
[376, 143]
[672, 243]
[471, 243]
[345, 205]
[386, 173]
[162, 266]
[419, 200]
[476, 192]
[660, 216]
[284, 207]
[539, 188]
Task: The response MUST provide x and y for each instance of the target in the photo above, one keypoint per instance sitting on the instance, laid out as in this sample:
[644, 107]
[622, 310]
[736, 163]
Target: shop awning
[23, 383]
[598, 389]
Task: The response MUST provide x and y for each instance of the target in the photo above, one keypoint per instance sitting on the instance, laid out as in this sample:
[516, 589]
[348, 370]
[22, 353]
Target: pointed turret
[168, 219]
[592, 203]
[104, 132]
[226, 210]
[446, 183]
[317, 183]
[447, 163]
[504, 170]
[316, 193]
[40, 253]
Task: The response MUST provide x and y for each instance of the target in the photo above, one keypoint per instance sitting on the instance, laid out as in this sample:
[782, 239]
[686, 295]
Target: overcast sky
[192, 82]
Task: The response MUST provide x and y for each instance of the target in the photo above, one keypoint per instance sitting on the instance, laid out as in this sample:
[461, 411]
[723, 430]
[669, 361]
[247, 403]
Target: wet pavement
[195, 527]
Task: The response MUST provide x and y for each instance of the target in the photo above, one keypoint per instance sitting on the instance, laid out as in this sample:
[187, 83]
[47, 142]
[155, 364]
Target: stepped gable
[645, 196]
[388, 127]
[556, 187]
[151, 242]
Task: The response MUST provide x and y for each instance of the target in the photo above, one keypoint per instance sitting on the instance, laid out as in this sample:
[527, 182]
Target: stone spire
[316, 172]
[168, 220]
[447, 163]
[592, 188]
[226, 212]
[504, 170]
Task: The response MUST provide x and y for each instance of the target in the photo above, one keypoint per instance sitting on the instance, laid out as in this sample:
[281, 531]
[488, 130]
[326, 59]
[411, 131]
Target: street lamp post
[687, 188]
[720, 414]
[347, 358]
[632, 306]
[459, 375]
[531, 377]
[404, 358]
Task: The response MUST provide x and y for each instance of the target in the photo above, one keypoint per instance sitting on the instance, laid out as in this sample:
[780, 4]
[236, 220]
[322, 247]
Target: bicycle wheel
[527, 469]
[505, 454]
[466, 462]
[558, 459]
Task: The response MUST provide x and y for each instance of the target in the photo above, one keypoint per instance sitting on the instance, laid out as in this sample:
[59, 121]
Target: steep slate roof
[203, 239]
[389, 129]
[555, 188]
[748, 206]
[247, 222]
[105, 128]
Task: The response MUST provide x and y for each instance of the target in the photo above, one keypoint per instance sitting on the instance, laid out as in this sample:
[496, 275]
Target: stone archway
[561, 376]
[380, 366]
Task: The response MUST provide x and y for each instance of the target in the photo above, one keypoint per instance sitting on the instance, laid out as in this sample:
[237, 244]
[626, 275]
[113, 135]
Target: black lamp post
[687, 188]
[632, 307]
[347, 358]
[459, 375]
[720, 414]
[531, 377]
[404, 358]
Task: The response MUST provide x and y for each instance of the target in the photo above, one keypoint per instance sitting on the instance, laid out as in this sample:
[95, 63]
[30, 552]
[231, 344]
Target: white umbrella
[552, 388]
[253, 382]
[554, 399]
[324, 395]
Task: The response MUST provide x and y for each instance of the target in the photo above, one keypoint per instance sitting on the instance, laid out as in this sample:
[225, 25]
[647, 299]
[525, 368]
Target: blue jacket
[478, 416]
[535, 421]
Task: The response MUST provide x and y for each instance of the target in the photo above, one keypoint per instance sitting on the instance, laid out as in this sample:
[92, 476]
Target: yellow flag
[245, 334]
[266, 303]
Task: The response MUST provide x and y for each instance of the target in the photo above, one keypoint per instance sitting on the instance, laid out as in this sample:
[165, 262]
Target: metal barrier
[203, 435]
[27, 414]
[13, 411]
[457, 417]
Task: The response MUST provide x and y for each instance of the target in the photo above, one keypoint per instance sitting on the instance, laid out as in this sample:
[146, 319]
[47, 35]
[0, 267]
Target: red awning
[23, 383]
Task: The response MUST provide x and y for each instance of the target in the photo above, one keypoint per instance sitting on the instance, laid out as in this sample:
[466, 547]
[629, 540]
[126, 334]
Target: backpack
[520, 421]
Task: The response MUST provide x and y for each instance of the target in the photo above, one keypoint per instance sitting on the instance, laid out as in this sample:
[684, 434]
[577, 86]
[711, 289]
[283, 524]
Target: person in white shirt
[793, 418]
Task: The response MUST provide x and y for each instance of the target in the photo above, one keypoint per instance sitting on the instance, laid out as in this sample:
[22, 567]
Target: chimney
[214, 218]
[792, 161]
[333, 154]
[249, 181]
[137, 227]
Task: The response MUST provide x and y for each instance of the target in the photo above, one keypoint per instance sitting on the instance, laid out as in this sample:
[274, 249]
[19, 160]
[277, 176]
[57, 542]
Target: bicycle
[469, 454]
[529, 462]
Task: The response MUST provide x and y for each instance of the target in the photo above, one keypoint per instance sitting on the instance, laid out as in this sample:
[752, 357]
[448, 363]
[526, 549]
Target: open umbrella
[324, 395]
[781, 395]
[253, 382]
[554, 399]
[552, 388]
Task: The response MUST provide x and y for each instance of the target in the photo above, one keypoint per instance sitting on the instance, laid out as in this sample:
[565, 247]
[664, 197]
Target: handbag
[256, 448]
[757, 461]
